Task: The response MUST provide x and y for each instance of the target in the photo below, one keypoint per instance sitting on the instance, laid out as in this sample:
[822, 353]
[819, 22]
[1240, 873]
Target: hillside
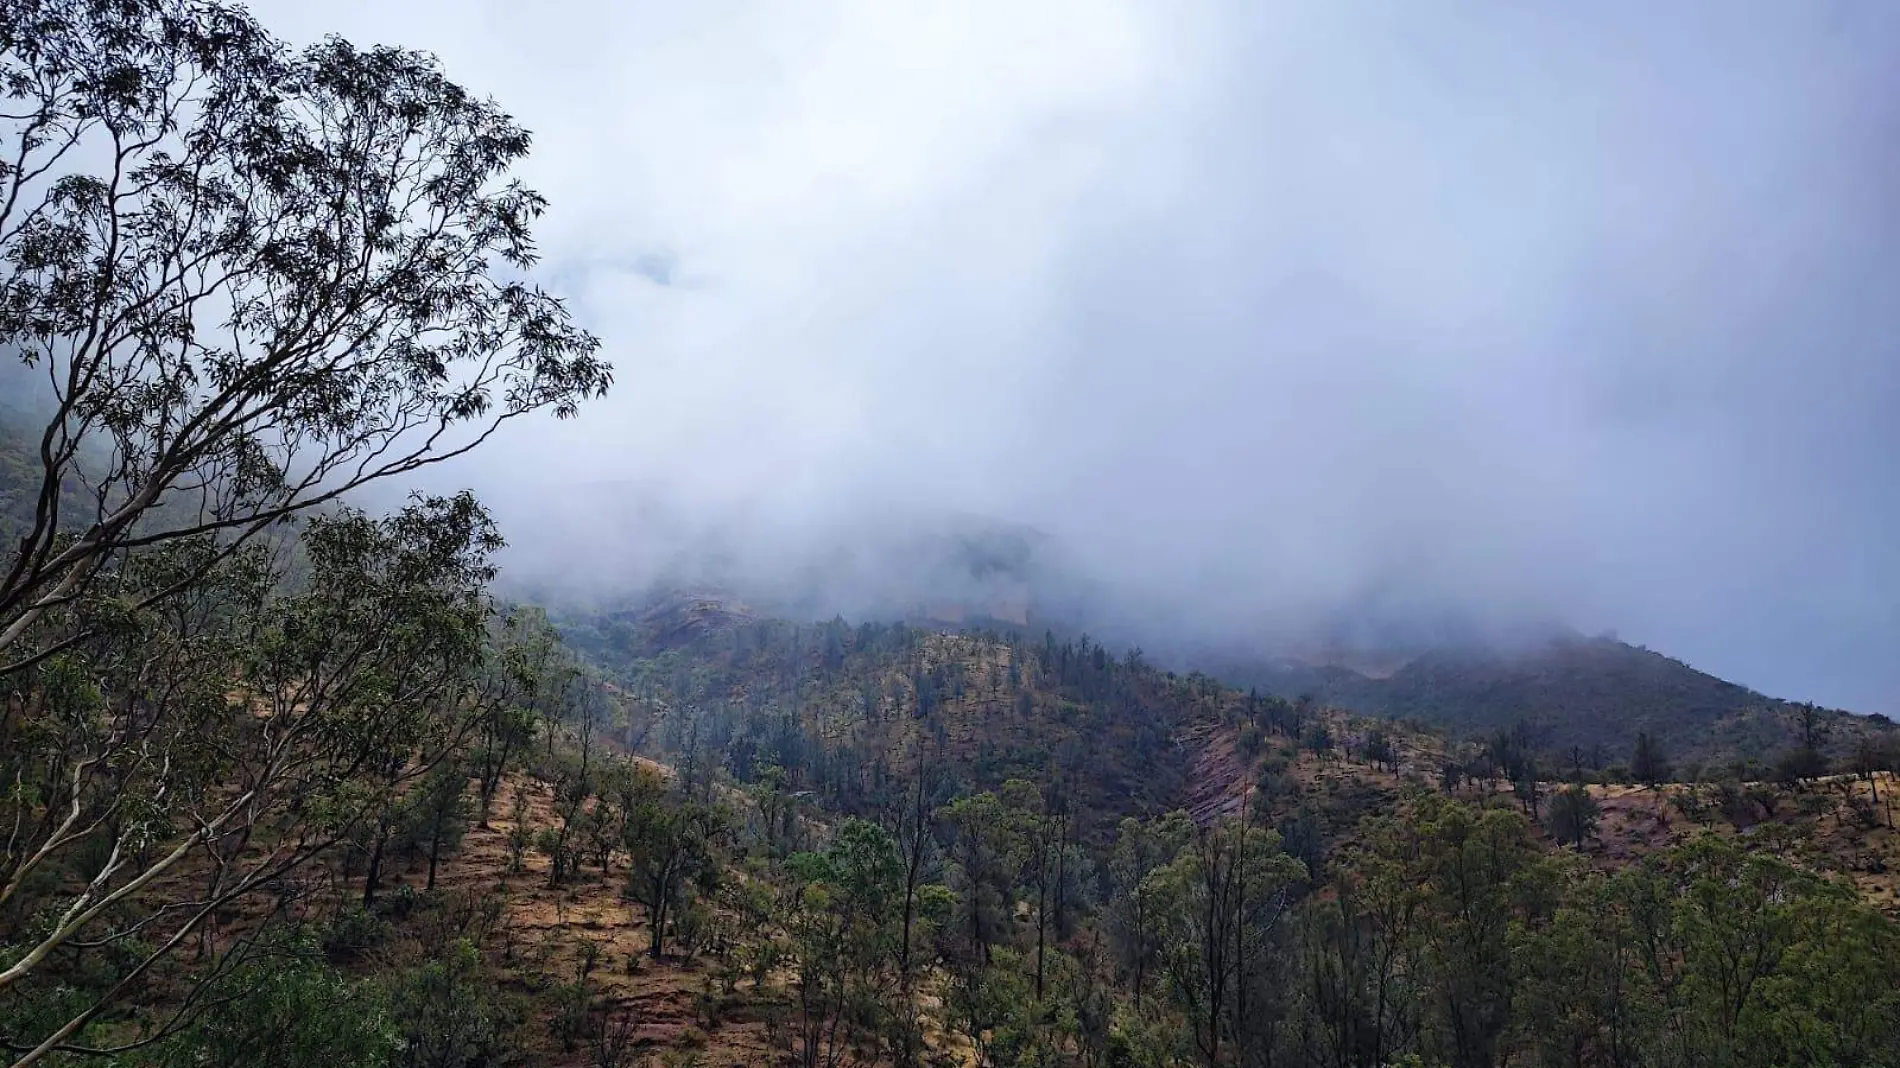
[892, 845]
[848, 711]
[844, 710]
[842, 713]
[1593, 695]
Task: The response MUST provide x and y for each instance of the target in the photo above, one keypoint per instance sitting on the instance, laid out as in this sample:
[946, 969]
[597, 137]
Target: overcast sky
[1582, 310]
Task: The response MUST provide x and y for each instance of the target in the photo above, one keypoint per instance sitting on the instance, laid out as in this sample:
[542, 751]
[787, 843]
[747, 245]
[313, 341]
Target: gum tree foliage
[1474, 873]
[982, 867]
[185, 762]
[671, 841]
[294, 1012]
[1136, 903]
[1710, 955]
[844, 932]
[1222, 898]
[250, 280]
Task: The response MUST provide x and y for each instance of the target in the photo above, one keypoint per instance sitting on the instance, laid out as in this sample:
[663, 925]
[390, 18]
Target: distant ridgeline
[1581, 701]
[1590, 694]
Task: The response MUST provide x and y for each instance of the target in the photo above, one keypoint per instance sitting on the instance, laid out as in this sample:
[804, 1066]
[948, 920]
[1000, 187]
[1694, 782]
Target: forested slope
[847, 711]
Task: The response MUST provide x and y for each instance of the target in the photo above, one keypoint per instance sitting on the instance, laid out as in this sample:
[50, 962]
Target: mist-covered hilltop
[1385, 651]
[1590, 696]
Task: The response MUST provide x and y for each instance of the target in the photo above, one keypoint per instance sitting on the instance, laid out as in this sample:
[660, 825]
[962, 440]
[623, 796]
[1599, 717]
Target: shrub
[1250, 740]
[287, 1009]
[446, 1010]
[354, 932]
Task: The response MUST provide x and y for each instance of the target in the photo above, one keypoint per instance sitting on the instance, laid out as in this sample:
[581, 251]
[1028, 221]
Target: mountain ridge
[1574, 693]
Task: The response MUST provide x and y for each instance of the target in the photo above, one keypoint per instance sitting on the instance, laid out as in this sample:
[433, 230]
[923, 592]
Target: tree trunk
[373, 879]
[661, 888]
[491, 782]
[657, 940]
[1062, 876]
[903, 951]
[1141, 948]
[1240, 946]
[1042, 914]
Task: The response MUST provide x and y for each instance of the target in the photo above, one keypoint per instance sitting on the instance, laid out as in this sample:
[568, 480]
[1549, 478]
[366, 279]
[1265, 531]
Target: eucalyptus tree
[672, 843]
[251, 280]
[165, 771]
[1039, 833]
[248, 281]
[842, 919]
[1220, 901]
[1136, 912]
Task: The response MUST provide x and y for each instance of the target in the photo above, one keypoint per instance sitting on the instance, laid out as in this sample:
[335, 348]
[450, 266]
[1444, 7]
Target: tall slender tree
[1648, 764]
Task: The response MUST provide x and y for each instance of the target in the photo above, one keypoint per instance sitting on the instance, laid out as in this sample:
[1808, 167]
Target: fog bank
[1259, 312]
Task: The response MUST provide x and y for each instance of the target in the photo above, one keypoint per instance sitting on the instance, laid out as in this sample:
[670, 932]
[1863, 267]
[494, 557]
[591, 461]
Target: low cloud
[1256, 310]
